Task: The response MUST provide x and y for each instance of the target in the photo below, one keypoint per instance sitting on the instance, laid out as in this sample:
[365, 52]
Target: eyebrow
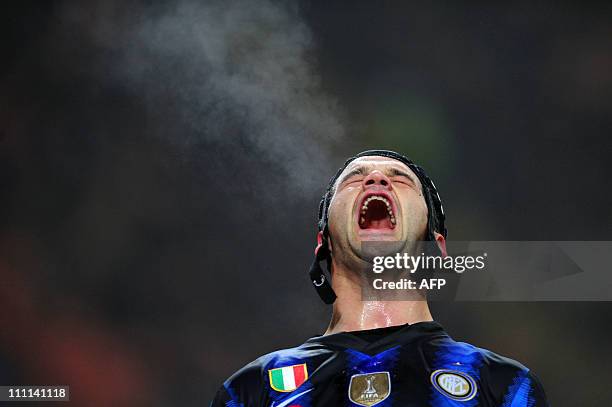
[357, 171]
[393, 172]
[396, 172]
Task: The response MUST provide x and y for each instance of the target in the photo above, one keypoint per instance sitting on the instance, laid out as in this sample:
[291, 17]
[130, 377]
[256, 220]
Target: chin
[377, 235]
[377, 245]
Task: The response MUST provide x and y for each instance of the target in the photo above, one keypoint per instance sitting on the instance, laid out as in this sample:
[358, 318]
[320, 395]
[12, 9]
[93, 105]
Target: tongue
[378, 224]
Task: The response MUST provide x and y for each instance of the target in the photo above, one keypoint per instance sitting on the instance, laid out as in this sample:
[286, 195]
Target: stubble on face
[377, 202]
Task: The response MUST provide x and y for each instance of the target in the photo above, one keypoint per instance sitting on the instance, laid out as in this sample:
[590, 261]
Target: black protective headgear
[435, 219]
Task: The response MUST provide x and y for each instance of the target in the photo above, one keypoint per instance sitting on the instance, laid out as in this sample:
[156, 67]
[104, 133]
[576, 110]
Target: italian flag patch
[288, 378]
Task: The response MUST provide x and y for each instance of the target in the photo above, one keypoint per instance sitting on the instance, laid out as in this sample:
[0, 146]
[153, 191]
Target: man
[379, 353]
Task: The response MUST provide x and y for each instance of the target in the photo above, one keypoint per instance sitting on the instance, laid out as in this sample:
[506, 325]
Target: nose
[376, 179]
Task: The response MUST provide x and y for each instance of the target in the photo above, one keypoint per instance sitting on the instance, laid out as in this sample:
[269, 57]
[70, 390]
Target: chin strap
[318, 277]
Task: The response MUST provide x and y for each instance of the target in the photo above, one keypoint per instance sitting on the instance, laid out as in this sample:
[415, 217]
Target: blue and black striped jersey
[410, 365]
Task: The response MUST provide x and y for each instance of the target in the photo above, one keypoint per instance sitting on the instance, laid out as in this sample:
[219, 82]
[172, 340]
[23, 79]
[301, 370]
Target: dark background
[161, 165]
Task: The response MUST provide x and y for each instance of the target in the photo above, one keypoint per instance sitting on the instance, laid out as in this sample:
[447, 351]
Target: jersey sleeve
[525, 391]
[223, 399]
[243, 389]
[538, 395]
[508, 383]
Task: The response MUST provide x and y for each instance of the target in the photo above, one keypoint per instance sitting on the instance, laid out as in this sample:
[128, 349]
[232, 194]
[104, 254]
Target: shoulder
[444, 351]
[504, 380]
[251, 384]
[258, 369]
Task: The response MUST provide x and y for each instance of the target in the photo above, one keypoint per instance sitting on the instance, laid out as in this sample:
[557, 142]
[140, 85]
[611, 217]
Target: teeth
[364, 208]
[378, 198]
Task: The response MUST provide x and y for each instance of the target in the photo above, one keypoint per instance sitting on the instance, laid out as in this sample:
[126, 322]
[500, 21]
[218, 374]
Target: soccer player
[378, 353]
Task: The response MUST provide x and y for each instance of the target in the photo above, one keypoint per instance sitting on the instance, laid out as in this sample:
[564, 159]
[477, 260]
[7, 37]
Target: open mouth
[376, 212]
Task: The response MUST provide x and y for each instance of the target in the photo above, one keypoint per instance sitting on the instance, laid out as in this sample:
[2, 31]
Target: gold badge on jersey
[369, 389]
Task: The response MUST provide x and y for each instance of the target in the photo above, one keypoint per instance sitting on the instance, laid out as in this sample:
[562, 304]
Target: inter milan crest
[288, 378]
[369, 389]
[454, 385]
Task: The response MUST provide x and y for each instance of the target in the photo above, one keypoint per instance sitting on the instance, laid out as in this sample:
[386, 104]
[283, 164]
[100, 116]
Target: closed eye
[403, 180]
[354, 176]
[353, 180]
[402, 177]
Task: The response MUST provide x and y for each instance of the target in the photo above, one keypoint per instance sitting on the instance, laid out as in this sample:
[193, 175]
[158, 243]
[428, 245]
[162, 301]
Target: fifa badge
[369, 389]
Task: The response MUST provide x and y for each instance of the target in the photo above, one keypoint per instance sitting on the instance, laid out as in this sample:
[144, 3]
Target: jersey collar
[383, 338]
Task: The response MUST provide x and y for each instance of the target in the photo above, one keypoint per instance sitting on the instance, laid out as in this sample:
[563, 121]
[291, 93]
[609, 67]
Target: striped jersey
[414, 365]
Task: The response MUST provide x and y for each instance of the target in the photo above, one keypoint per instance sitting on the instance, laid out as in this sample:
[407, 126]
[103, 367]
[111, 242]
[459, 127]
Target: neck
[351, 313]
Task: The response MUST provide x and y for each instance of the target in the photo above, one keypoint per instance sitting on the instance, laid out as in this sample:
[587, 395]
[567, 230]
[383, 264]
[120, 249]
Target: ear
[320, 243]
[441, 242]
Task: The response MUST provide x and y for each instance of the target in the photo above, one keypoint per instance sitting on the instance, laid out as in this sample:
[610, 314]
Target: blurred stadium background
[160, 169]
